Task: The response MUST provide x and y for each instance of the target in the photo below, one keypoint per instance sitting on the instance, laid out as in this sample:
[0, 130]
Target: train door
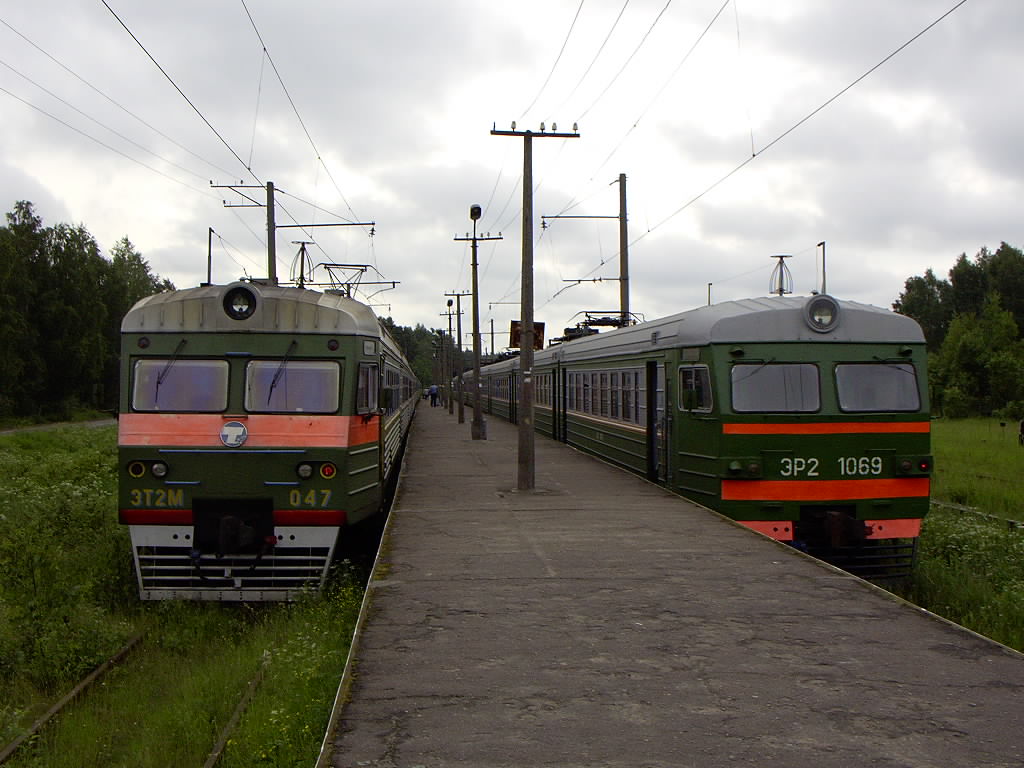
[657, 422]
[561, 412]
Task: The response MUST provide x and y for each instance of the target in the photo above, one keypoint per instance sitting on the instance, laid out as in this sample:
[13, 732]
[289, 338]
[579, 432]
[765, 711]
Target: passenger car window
[697, 380]
[877, 387]
[174, 384]
[292, 386]
[775, 388]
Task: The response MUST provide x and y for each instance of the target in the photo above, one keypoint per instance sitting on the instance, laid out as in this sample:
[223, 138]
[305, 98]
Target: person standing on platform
[433, 395]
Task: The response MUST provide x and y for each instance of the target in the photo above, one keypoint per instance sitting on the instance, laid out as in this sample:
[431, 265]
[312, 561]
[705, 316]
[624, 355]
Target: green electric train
[257, 424]
[805, 419]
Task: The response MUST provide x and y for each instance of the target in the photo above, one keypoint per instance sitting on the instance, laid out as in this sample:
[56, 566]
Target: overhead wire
[593, 61]
[112, 100]
[622, 69]
[800, 122]
[295, 109]
[98, 122]
[558, 58]
[105, 145]
[181, 92]
[755, 154]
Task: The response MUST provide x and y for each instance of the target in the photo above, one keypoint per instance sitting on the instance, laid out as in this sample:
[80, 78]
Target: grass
[68, 600]
[168, 704]
[970, 568]
[978, 464]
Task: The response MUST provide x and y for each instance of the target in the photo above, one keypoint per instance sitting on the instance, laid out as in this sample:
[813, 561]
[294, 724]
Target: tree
[980, 362]
[929, 301]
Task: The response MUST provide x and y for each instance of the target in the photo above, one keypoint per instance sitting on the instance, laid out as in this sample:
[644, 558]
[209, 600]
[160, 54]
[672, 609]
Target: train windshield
[175, 384]
[877, 387]
[292, 386]
[775, 388]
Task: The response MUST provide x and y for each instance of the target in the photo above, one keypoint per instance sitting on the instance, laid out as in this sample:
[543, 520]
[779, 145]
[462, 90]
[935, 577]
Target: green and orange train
[257, 423]
[806, 419]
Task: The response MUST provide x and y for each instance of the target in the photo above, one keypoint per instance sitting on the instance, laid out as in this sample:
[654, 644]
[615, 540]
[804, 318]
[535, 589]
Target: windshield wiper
[167, 369]
[280, 369]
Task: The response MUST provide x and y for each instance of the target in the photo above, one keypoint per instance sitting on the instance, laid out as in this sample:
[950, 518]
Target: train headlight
[240, 302]
[305, 471]
[821, 313]
[159, 469]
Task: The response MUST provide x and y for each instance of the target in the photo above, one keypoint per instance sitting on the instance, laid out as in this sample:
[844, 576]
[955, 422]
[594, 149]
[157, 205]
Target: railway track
[87, 687]
[1013, 525]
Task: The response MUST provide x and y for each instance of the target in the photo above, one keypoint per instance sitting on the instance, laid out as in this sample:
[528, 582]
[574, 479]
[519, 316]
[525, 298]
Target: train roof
[278, 309]
[767, 319]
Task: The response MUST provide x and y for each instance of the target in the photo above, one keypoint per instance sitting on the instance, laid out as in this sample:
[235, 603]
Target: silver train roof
[767, 319]
[279, 309]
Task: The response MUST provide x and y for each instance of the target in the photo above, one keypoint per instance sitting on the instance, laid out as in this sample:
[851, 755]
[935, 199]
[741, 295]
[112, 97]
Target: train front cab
[824, 446]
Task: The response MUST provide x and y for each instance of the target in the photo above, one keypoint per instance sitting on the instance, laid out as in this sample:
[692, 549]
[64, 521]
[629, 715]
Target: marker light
[328, 470]
[305, 471]
[136, 469]
[159, 469]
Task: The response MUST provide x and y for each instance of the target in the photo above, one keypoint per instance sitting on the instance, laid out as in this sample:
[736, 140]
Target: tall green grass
[970, 568]
[68, 600]
[979, 463]
[168, 705]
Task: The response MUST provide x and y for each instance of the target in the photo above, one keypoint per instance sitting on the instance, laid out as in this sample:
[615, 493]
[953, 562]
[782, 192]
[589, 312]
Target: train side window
[614, 394]
[174, 384]
[775, 388]
[877, 387]
[292, 386]
[695, 388]
[366, 389]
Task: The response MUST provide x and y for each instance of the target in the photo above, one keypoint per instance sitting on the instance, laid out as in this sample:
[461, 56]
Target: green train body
[804, 419]
[256, 424]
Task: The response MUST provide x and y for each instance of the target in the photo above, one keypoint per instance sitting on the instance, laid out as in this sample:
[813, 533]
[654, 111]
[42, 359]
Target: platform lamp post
[478, 429]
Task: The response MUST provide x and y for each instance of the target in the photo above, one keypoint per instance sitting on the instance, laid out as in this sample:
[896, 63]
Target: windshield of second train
[292, 386]
[176, 384]
[877, 387]
[775, 388]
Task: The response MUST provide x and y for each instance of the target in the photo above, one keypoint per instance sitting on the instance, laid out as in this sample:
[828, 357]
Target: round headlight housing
[821, 313]
[240, 302]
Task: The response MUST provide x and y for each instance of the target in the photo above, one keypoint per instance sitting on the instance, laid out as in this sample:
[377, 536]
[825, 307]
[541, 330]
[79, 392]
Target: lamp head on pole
[475, 211]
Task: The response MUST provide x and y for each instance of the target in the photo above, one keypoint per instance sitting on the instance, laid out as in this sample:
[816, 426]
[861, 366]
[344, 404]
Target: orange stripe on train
[202, 430]
[829, 428]
[825, 490]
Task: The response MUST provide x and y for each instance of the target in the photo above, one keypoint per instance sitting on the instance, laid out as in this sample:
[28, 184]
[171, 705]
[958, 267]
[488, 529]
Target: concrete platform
[602, 621]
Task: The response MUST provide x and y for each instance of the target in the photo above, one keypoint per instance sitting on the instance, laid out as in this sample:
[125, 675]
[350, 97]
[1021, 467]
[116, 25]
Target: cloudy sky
[745, 129]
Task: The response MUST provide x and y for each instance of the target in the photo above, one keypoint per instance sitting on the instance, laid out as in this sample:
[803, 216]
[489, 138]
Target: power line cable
[186, 98]
[596, 57]
[97, 122]
[622, 69]
[105, 145]
[295, 109]
[800, 122]
[111, 100]
[557, 59]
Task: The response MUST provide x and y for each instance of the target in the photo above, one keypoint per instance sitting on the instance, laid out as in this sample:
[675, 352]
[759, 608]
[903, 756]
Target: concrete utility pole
[478, 430]
[623, 278]
[272, 226]
[623, 254]
[459, 367]
[526, 465]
